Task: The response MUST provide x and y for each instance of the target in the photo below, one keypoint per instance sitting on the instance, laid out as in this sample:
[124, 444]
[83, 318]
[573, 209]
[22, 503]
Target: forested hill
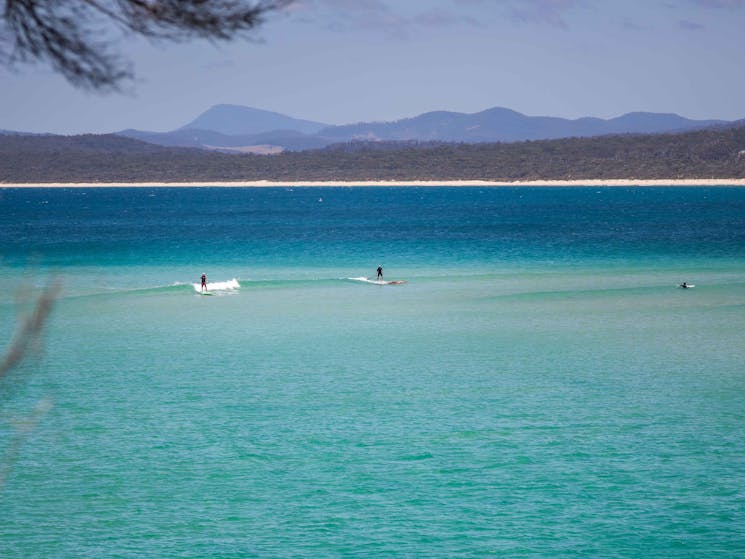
[718, 153]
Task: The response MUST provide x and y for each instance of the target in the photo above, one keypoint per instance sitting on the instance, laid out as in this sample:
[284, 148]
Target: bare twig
[28, 333]
[27, 336]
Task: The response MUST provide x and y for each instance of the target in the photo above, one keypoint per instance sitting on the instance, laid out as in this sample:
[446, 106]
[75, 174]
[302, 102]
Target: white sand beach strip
[482, 183]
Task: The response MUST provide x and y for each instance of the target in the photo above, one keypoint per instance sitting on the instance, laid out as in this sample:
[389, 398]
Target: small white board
[378, 282]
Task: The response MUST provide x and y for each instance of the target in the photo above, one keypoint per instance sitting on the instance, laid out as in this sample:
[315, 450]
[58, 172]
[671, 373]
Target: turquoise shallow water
[538, 388]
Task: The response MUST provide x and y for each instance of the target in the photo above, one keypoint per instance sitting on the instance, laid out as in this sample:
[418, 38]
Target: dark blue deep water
[329, 227]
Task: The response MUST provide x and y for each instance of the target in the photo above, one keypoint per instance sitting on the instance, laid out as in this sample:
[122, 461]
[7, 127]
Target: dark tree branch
[27, 337]
[58, 33]
[28, 333]
[64, 34]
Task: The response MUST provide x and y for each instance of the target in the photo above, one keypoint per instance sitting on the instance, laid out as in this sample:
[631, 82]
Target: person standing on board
[204, 282]
[380, 272]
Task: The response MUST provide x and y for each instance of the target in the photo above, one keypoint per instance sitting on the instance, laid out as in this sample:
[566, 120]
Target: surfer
[684, 285]
[204, 282]
[380, 272]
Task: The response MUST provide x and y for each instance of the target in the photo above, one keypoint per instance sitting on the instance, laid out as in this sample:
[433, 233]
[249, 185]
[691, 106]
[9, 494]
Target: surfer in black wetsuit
[204, 282]
[380, 272]
[684, 285]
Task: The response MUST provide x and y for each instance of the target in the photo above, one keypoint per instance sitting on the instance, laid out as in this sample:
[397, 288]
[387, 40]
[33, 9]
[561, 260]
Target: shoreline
[384, 183]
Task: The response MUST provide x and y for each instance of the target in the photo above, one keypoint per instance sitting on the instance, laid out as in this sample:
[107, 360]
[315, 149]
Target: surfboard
[687, 286]
[378, 282]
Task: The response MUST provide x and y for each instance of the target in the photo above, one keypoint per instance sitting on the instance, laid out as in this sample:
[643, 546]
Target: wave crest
[229, 285]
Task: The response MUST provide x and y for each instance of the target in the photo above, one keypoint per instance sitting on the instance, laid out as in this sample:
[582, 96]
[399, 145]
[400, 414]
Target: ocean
[540, 387]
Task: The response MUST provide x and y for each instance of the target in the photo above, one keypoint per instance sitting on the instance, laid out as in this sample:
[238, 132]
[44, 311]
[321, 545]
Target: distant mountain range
[236, 128]
[235, 120]
[504, 125]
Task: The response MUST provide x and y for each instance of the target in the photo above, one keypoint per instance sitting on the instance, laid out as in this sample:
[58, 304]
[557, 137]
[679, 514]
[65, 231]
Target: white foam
[229, 285]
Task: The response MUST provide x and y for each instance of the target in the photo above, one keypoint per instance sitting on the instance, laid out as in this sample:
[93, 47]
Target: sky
[344, 61]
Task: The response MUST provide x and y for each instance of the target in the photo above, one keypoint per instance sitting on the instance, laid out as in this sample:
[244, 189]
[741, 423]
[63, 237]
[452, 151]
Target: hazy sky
[341, 61]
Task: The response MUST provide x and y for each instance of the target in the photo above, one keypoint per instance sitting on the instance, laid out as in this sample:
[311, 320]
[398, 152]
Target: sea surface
[538, 388]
